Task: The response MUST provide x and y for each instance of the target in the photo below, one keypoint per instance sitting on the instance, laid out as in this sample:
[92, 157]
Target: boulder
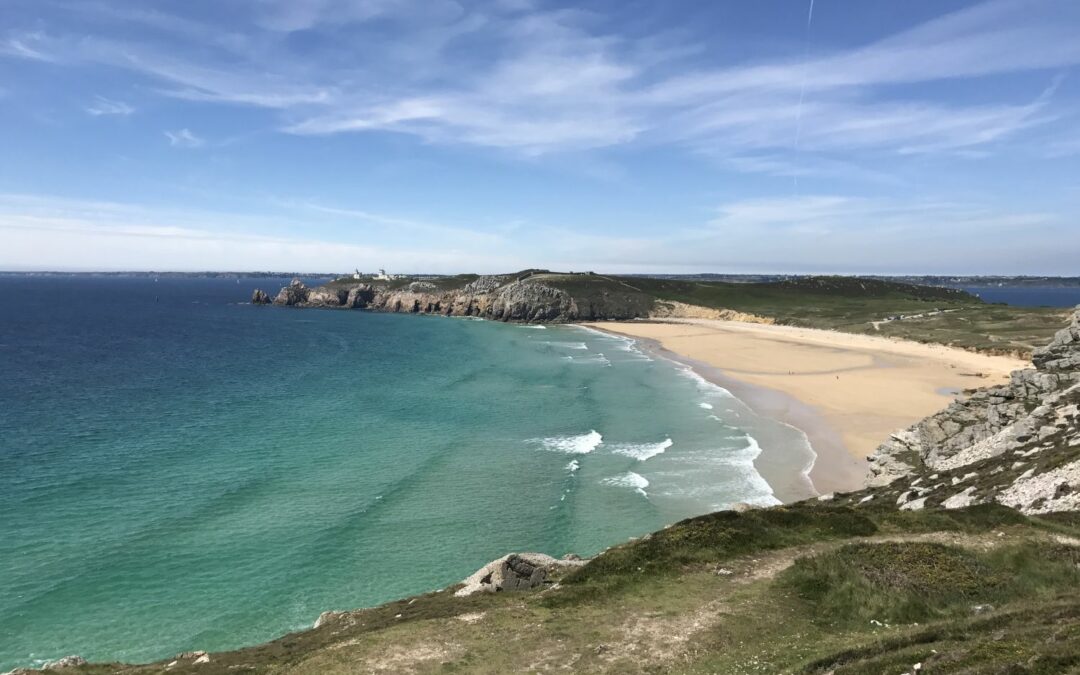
[66, 662]
[296, 293]
[514, 572]
[327, 617]
[260, 297]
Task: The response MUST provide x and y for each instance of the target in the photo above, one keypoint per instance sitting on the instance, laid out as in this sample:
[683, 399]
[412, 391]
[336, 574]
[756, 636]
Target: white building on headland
[357, 275]
[383, 276]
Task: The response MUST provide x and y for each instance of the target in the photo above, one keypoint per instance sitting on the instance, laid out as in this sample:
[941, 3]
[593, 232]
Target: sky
[441, 136]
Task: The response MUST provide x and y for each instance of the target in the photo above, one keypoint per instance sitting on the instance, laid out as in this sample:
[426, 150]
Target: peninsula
[849, 304]
[959, 555]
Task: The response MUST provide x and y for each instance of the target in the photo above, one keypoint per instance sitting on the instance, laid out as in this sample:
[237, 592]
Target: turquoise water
[181, 471]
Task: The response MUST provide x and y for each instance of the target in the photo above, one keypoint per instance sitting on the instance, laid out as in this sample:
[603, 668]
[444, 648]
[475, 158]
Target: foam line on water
[597, 359]
[705, 386]
[623, 343]
[642, 451]
[746, 458]
[565, 344]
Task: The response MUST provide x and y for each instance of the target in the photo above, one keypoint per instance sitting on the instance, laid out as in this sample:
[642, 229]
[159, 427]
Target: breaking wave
[642, 451]
[629, 480]
[574, 445]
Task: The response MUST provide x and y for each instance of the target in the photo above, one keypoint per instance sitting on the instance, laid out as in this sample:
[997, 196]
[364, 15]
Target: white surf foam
[573, 466]
[624, 344]
[574, 445]
[642, 451]
[629, 480]
[591, 360]
[763, 491]
[565, 345]
[752, 448]
[705, 406]
[630, 347]
[704, 385]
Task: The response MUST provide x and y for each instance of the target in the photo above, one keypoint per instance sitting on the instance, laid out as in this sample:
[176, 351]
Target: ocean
[1029, 296]
[181, 470]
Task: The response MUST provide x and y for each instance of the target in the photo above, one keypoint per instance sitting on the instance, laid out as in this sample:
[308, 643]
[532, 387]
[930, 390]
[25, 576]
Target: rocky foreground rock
[1017, 444]
[515, 572]
[496, 297]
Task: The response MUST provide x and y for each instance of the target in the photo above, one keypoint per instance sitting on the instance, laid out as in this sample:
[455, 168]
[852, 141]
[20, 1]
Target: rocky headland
[538, 298]
[1017, 444]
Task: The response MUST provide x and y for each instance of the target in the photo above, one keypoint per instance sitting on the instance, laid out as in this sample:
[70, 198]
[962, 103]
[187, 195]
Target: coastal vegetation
[813, 587]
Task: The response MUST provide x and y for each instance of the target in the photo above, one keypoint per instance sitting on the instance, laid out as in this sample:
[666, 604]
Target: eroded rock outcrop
[515, 572]
[496, 297]
[260, 297]
[64, 663]
[296, 293]
[1017, 444]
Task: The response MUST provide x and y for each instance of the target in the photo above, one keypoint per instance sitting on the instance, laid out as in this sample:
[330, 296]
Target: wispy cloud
[554, 81]
[845, 234]
[535, 82]
[297, 15]
[460, 235]
[22, 46]
[104, 106]
[184, 138]
[60, 233]
[848, 234]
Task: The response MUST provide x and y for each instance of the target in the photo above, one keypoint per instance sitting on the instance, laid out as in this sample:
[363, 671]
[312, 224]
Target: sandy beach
[846, 392]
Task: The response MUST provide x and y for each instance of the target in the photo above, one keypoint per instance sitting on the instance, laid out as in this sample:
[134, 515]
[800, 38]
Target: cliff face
[1017, 444]
[501, 298]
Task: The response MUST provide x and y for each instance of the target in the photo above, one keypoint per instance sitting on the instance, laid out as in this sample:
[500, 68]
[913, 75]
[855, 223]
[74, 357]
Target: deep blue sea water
[181, 470]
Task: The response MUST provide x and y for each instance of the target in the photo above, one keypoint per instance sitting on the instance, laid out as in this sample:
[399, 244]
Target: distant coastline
[1016, 290]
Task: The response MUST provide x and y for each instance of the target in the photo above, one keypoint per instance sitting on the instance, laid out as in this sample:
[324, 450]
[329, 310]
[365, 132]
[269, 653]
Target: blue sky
[888, 136]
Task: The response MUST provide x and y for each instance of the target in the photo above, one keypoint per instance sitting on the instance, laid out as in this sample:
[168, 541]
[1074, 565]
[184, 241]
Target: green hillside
[854, 305]
[807, 588]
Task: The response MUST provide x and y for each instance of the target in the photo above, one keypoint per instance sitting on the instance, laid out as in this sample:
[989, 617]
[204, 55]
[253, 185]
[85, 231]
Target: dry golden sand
[862, 387]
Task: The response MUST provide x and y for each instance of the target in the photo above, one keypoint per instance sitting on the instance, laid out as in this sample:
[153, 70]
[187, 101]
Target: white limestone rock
[1055, 490]
[516, 571]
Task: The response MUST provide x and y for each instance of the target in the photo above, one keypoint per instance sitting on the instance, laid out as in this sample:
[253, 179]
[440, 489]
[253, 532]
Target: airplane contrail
[802, 87]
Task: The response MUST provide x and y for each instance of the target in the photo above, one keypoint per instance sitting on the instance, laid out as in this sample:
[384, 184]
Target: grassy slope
[812, 587]
[853, 305]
